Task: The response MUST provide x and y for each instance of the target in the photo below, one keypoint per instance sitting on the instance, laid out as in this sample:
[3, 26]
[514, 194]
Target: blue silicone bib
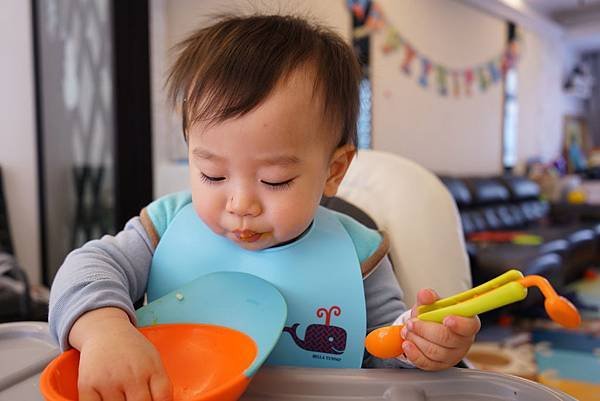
[318, 275]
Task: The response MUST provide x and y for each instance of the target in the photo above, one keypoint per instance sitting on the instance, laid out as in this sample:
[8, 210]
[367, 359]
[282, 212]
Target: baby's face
[258, 179]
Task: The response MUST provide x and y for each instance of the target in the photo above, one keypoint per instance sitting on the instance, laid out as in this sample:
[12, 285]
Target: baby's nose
[244, 204]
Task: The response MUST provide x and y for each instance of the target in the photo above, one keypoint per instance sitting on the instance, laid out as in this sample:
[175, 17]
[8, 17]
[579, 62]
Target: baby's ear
[338, 165]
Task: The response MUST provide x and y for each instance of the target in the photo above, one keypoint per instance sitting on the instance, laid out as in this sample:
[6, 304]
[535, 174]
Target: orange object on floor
[591, 274]
[505, 320]
[583, 391]
[204, 363]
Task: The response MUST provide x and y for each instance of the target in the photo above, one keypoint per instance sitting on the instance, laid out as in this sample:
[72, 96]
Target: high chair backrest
[418, 213]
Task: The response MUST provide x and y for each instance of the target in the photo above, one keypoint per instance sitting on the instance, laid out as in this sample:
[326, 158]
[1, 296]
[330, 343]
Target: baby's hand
[117, 363]
[434, 346]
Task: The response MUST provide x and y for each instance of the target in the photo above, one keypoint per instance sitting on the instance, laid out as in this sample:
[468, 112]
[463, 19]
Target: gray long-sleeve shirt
[113, 271]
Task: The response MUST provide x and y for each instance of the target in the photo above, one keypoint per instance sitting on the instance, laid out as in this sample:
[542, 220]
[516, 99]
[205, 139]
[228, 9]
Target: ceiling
[575, 21]
[580, 20]
[554, 8]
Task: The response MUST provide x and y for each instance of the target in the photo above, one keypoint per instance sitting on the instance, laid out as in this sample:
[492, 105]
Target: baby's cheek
[208, 215]
[296, 222]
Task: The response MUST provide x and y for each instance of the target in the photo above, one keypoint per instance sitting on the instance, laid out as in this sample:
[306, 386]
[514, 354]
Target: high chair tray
[26, 347]
[301, 384]
[25, 350]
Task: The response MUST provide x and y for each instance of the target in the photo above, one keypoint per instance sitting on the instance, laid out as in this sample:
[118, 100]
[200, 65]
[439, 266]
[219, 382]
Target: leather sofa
[512, 204]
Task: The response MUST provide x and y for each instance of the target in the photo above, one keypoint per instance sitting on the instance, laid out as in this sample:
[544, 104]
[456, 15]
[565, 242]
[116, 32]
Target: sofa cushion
[485, 191]
[458, 189]
[521, 188]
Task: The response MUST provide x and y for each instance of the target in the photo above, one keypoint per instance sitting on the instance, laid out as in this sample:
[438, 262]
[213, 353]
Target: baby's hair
[229, 68]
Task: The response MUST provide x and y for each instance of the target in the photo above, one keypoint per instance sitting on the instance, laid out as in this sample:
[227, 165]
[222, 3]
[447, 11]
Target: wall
[445, 134]
[17, 132]
[459, 136]
[545, 63]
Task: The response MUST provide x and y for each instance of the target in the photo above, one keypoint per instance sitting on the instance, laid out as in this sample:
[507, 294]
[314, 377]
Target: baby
[269, 107]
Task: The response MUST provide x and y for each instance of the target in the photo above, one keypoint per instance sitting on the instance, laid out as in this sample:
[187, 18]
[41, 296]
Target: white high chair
[428, 251]
[418, 213]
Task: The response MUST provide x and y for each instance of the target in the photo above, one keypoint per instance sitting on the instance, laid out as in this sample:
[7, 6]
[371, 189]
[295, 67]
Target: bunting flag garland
[468, 74]
[409, 55]
[441, 80]
[483, 81]
[493, 69]
[456, 82]
[425, 69]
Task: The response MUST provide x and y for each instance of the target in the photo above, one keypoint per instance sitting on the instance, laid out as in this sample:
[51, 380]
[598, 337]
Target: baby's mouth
[247, 235]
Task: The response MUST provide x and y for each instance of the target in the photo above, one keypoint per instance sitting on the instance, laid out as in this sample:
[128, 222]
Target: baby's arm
[110, 272]
[91, 309]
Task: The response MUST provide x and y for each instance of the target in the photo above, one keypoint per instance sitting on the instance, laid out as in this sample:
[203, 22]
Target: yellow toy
[576, 197]
[386, 342]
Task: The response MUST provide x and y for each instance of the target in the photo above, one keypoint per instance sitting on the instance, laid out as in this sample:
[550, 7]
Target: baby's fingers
[434, 333]
[88, 394]
[424, 297]
[112, 394]
[444, 357]
[463, 326]
[161, 387]
[419, 359]
[107, 390]
[139, 392]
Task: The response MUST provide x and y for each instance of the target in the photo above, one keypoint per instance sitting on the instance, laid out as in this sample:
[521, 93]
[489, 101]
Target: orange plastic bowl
[204, 363]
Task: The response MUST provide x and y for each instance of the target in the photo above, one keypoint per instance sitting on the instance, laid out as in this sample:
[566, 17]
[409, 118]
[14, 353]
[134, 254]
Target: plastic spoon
[560, 309]
[386, 342]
